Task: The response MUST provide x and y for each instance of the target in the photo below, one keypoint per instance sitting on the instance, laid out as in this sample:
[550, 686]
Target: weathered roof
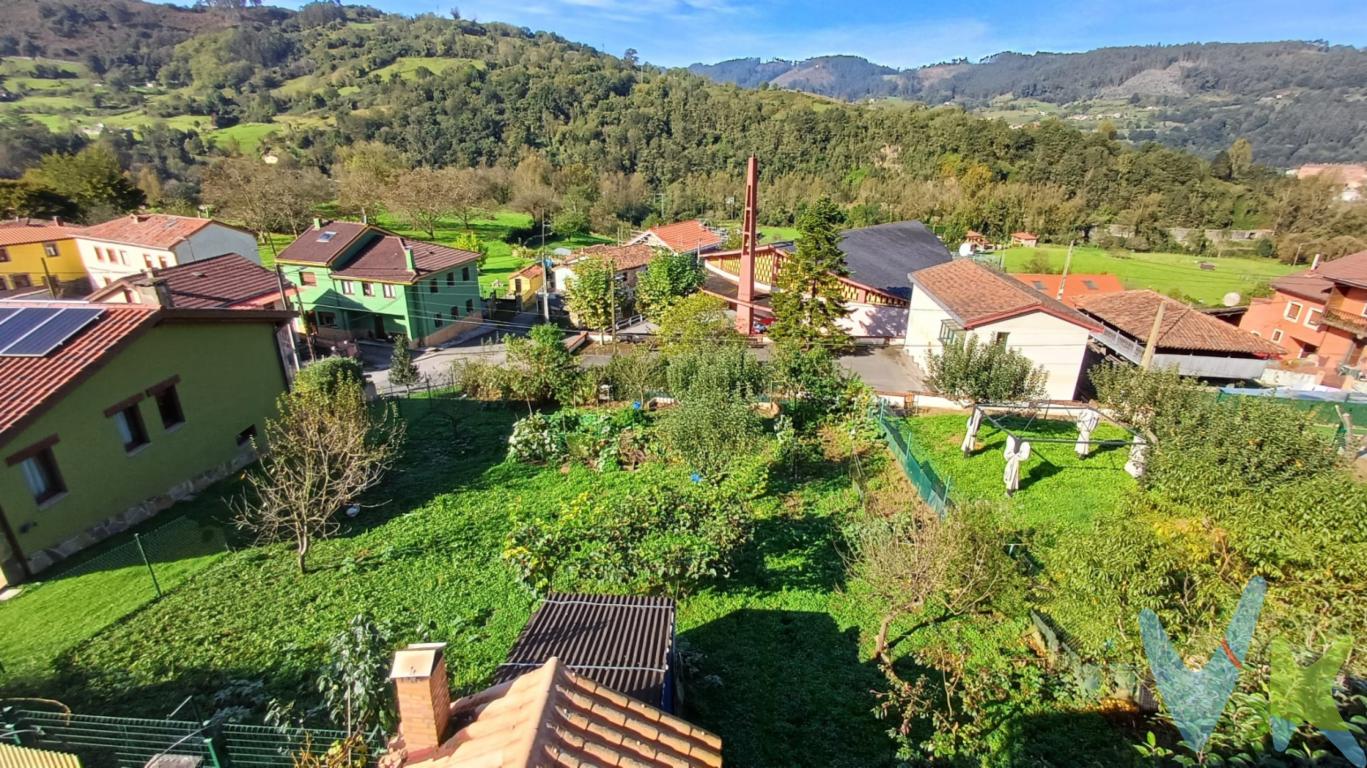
[1349, 270]
[322, 244]
[1078, 285]
[683, 236]
[27, 757]
[224, 281]
[551, 716]
[623, 257]
[1306, 285]
[1022, 235]
[1184, 328]
[383, 258]
[33, 384]
[976, 295]
[883, 255]
[21, 234]
[621, 642]
[153, 230]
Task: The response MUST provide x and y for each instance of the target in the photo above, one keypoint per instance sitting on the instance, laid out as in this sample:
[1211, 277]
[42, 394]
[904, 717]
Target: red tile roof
[383, 258]
[976, 295]
[323, 244]
[552, 717]
[153, 230]
[1184, 328]
[33, 384]
[1025, 235]
[224, 281]
[1349, 270]
[1078, 285]
[623, 257]
[688, 235]
[20, 234]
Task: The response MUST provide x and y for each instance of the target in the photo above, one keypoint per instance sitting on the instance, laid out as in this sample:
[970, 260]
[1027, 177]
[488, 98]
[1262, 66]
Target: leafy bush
[596, 439]
[718, 371]
[536, 439]
[708, 431]
[815, 383]
[969, 370]
[327, 375]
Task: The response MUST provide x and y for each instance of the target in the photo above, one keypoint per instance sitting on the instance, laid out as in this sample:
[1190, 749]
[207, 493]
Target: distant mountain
[1296, 101]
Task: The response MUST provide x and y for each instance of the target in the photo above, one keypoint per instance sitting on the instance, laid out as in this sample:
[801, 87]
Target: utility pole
[1149, 348]
[47, 278]
[1067, 262]
[285, 299]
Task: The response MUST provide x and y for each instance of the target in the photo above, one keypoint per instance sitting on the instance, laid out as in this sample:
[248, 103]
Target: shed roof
[976, 295]
[1184, 328]
[621, 642]
[883, 255]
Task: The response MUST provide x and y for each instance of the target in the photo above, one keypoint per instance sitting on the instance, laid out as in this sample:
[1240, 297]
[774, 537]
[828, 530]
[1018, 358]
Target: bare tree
[264, 197]
[421, 196]
[365, 174]
[324, 451]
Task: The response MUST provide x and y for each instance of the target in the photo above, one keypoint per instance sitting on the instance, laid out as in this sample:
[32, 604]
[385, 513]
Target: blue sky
[907, 33]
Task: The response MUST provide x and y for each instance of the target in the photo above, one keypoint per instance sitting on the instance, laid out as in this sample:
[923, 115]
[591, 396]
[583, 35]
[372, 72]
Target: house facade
[1319, 317]
[964, 297]
[134, 408]
[357, 281]
[42, 256]
[131, 244]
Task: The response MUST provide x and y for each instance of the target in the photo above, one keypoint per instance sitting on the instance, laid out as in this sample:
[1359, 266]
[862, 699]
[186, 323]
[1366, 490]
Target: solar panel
[6, 312]
[21, 323]
[50, 328]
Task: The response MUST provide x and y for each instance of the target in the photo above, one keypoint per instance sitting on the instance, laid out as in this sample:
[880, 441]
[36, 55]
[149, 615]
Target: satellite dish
[1232, 299]
[966, 250]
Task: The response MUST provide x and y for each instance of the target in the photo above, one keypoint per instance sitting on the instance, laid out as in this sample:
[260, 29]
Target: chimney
[745, 290]
[1316, 263]
[154, 291]
[423, 696]
[408, 261]
[317, 223]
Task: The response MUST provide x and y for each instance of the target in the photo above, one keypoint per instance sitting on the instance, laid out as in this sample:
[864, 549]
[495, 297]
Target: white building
[965, 297]
[131, 244]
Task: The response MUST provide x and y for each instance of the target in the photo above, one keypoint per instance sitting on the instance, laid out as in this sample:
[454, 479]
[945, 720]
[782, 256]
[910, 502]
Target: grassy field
[1058, 490]
[407, 66]
[1163, 272]
[248, 136]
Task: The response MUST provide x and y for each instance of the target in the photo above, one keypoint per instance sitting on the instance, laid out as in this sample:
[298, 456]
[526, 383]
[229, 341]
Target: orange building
[1320, 317]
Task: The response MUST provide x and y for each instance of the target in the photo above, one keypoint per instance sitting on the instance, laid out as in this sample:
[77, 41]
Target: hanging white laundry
[1017, 450]
[1139, 458]
[971, 436]
[1087, 422]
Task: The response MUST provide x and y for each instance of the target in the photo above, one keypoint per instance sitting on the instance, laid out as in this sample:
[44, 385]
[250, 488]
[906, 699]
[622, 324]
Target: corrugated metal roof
[25, 757]
[623, 643]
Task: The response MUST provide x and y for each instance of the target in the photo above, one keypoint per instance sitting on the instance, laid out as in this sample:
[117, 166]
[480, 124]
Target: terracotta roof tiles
[1078, 285]
[623, 257]
[22, 234]
[976, 295]
[323, 244]
[383, 258]
[682, 236]
[224, 281]
[1184, 328]
[1350, 270]
[153, 230]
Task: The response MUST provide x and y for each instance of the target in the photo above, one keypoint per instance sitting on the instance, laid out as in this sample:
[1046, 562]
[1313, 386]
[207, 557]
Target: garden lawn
[1163, 272]
[1058, 490]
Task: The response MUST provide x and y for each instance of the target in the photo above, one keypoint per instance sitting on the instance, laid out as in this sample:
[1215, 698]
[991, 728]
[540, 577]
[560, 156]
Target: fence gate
[124, 742]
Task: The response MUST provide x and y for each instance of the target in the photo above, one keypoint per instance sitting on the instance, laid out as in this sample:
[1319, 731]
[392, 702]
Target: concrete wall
[216, 240]
[230, 377]
[125, 260]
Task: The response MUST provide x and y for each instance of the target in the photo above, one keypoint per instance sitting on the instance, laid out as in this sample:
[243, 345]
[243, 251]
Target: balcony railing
[1354, 324]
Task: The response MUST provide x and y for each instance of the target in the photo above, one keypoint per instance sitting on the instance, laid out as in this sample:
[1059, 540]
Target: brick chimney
[317, 223]
[423, 695]
[153, 290]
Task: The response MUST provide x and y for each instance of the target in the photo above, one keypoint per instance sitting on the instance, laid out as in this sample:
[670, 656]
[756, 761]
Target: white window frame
[1277, 335]
[387, 290]
[1313, 317]
[1293, 316]
[348, 287]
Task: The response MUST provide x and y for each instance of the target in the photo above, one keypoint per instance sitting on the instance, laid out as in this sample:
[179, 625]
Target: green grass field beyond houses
[1058, 490]
[1162, 272]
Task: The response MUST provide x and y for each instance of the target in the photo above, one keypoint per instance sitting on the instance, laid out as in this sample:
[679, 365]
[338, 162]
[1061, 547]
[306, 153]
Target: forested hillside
[1298, 102]
[560, 127]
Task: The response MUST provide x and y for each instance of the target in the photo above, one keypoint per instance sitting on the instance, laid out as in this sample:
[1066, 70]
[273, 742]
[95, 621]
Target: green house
[112, 412]
[360, 282]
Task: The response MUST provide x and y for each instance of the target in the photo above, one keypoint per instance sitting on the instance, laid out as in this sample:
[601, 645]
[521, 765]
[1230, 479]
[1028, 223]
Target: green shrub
[537, 439]
[715, 370]
[970, 370]
[328, 374]
[708, 431]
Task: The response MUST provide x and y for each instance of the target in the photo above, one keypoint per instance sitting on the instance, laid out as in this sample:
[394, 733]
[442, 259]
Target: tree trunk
[302, 553]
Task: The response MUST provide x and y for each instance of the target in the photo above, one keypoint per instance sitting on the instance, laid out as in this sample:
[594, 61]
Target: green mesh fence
[933, 490]
[1323, 407]
[124, 742]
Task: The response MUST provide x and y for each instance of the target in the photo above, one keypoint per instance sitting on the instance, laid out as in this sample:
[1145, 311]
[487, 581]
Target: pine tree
[809, 302]
[402, 371]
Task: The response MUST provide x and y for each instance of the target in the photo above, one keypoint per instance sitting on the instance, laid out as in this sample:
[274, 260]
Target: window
[1277, 335]
[123, 256]
[1312, 318]
[950, 331]
[387, 290]
[21, 281]
[99, 254]
[367, 289]
[4, 255]
[438, 321]
[1293, 311]
[41, 476]
[1090, 285]
[469, 306]
[1039, 286]
[432, 287]
[49, 249]
[455, 313]
[307, 278]
[326, 236]
[163, 261]
[450, 278]
[246, 436]
[517, 286]
[168, 405]
[328, 319]
[128, 421]
[1000, 338]
[465, 274]
[147, 260]
[348, 288]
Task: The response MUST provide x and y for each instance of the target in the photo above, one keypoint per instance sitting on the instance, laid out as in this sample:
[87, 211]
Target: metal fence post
[137, 538]
[212, 751]
[9, 723]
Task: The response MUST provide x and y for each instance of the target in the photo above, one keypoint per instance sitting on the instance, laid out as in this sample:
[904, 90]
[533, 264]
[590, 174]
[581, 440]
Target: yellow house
[41, 256]
[524, 285]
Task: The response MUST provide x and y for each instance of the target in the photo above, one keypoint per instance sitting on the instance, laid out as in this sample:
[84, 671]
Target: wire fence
[125, 742]
[933, 489]
[1324, 407]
